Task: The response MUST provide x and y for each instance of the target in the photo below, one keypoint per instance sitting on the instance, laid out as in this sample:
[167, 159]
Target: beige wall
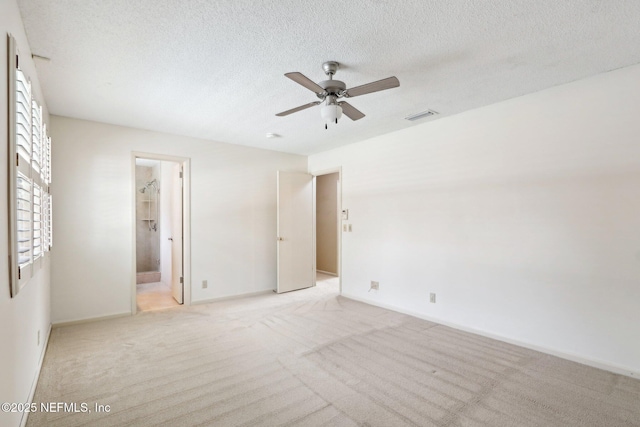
[327, 223]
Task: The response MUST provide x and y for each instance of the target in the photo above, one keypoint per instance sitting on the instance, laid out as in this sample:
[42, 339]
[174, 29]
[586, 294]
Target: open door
[177, 276]
[296, 269]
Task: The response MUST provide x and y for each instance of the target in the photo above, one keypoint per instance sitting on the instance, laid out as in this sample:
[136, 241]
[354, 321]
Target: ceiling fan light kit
[331, 113]
[330, 91]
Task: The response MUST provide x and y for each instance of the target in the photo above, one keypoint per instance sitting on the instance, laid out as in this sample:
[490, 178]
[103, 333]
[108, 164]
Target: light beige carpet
[312, 358]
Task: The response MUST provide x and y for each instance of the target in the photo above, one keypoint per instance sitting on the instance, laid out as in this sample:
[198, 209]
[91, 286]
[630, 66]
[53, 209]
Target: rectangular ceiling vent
[422, 115]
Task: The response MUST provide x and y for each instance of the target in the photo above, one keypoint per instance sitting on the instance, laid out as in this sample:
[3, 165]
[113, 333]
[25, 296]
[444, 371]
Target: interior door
[177, 277]
[295, 231]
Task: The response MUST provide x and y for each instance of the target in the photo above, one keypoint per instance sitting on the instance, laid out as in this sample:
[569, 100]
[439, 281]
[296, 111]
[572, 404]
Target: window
[29, 178]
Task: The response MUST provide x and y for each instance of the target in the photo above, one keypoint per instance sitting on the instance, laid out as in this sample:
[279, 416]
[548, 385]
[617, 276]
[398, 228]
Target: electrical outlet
[375, 285]
[350, 229]
[38, 336]
[432, 297]
[204, 284]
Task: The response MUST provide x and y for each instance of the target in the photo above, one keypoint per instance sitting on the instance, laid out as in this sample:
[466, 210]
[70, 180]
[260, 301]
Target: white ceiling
[214, 69]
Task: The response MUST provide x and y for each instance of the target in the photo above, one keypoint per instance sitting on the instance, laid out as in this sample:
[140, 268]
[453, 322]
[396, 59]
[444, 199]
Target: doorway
[160, 237]
[328, 220]
[297, 207]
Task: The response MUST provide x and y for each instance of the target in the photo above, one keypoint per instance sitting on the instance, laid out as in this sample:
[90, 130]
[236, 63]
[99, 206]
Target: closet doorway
[309, 223]
[328, 220]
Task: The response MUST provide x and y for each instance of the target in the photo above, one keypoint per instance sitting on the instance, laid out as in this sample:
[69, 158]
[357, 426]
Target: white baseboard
[616, 369]
[90, 319]
[231, 297]
[34, 383]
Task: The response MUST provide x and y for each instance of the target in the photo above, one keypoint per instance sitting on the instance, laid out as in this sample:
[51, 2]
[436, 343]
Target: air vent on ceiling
[421, 115]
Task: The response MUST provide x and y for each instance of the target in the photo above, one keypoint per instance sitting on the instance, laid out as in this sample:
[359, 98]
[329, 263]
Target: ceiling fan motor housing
[332, 88]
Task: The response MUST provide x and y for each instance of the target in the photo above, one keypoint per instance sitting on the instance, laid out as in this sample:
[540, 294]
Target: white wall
[23, 316]
[523, 217]
[233, 219]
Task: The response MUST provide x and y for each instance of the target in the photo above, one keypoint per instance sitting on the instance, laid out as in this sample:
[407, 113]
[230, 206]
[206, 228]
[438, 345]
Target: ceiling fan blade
[303, 80]
[300, 108]
[350, 111]
[388, 83]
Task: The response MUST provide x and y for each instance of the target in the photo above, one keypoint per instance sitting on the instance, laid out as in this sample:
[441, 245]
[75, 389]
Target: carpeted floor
[312, 358]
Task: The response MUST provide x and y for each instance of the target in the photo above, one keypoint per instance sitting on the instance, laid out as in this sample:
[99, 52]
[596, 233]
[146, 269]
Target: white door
[177, 285]
[295, 231]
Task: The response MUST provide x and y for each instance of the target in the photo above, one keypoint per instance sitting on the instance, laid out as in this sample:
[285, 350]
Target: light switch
[350, 229]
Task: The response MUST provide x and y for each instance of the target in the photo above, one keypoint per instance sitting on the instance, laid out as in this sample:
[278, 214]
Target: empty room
[366, 213]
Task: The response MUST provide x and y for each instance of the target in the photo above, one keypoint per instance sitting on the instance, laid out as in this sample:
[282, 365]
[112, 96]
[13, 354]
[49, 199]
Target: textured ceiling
[214, 69]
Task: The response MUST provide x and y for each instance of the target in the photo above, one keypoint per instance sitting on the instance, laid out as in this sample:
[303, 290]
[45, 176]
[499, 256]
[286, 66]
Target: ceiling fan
[330, 91]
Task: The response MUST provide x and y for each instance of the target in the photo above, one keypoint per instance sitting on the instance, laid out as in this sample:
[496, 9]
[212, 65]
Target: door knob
[280, 239]
[170, 238]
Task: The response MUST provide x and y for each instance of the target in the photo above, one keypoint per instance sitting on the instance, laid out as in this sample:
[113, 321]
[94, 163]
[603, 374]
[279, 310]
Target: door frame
[186, 221]
[316, 174]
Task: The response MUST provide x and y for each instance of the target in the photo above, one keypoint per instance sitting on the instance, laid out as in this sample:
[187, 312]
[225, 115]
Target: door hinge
[17, 159]
[180, 174]
[182, 280]
[19, 271]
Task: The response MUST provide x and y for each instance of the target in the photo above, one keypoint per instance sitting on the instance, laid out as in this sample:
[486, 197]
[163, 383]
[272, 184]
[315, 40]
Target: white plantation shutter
[46, 156]
[37, 221]
[24, 219]
[36, 138]
[23, 117]
[45, 174]
[46, 221]
[49, 214]
[30, 212]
